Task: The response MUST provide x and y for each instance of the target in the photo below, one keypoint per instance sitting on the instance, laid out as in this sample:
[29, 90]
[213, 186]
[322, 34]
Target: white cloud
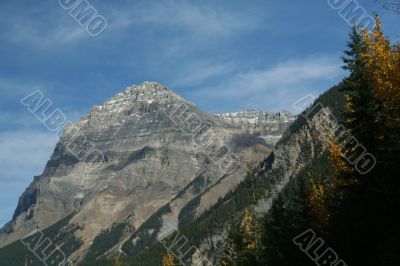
[199, 20]
[278, 86]
[200, 71]
[45, 36]
[44, 26]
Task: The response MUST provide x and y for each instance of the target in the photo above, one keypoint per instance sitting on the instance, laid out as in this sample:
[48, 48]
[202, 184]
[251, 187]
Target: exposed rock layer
[137, 152]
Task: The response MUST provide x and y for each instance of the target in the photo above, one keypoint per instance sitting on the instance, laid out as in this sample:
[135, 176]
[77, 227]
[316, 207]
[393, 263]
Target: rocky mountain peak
[256, 117]
[149, 157]
[266, 125]
[145, 93]
[142, 109]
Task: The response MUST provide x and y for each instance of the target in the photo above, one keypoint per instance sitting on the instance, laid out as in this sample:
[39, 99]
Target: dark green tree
[361, 105]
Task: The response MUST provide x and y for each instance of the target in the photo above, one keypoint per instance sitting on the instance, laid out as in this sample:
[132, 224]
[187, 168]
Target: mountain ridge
[153, 145]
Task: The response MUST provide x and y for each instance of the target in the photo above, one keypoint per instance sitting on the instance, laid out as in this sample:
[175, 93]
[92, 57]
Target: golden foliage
[241, 238]
[336, 156]
[224, 262]
[317, 200]
[344, 173]
[168, 260]
[383, 68]
[339, 162]
[117, 261]
[249, 230]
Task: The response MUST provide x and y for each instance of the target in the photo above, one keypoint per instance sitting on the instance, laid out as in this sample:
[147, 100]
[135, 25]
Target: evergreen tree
[360, 105]
[289, 216]
[383, 70]
[373, 102]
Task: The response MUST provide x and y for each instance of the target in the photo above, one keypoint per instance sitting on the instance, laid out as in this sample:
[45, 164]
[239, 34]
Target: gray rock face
[256, 118]
[269, 126]
[290, 156]
[135, 153]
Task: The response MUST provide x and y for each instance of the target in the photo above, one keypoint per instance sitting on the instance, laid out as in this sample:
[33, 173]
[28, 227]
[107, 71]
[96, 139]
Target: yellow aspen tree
[225, 262]
[338, 161]
[316, 198]
[117, 261]
[231, 250]
[249, 230]
[168, 260]
[383, 67]
[344, 173]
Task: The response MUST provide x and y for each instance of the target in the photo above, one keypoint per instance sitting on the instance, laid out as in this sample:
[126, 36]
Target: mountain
[136, 167]
[267, 190]
[303, 144]
[266, 125]
[265, 186]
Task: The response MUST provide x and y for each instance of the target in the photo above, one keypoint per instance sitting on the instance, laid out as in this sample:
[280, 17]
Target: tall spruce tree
[361, 105]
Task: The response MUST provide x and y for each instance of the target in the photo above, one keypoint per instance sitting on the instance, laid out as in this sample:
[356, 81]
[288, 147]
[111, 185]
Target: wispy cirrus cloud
[278, 86]
[44, 26]
[200, 71]
[42, 34]
[196, 19]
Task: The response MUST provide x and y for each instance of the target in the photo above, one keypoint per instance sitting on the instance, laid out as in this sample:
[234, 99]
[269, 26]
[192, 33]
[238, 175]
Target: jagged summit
[150, 157]
[256, 117]
[146, 93]
[266, 125]
[140, 110]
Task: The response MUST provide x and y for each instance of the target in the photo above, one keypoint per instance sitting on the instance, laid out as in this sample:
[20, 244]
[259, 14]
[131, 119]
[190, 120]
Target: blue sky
[222, 55]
